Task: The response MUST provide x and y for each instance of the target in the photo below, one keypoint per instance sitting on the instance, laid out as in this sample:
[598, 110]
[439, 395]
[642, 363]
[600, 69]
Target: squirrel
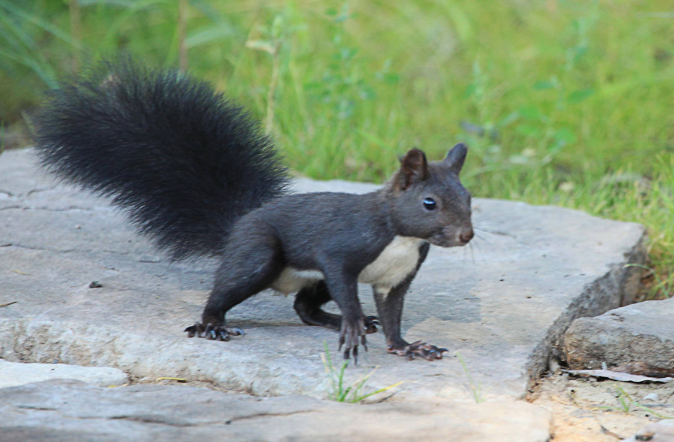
[199, 177]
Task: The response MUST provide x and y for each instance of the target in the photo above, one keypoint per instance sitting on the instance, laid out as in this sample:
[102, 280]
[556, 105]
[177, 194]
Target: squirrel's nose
[466, 236]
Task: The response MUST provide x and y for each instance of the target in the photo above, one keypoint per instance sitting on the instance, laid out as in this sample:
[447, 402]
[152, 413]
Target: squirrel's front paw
[371, 324]
[350, 334]
[212, 332]
[418, 348]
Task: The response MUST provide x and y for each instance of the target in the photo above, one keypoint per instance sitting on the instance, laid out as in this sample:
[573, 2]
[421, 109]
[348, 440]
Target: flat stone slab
[642, 332]
[73, 411]
[13, 374]
[499, 304]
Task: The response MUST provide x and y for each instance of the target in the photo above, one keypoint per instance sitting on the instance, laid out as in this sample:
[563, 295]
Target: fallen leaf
[617, 376]
[164, 378]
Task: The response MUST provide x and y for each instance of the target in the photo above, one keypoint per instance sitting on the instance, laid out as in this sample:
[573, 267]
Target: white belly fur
[292, 280]
[393, 264]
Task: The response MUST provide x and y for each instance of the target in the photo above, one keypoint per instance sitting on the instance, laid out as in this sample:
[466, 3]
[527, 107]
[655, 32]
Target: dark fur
[340, 234]
[167, 148]
[198, 177]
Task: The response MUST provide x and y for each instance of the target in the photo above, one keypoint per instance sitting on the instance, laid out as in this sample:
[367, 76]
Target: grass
[627, 404]
[475, 388]
[562, 102]
[339, 389]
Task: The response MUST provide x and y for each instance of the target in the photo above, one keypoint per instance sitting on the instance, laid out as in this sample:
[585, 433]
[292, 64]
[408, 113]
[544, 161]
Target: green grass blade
[209, 34]
[38, 21]
[381, 390]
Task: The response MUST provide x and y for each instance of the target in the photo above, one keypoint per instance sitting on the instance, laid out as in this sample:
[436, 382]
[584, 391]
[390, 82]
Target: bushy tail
[173, 153]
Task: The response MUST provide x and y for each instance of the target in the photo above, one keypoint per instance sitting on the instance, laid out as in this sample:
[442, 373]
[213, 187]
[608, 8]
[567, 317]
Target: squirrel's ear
[456, 157]
[413, 168]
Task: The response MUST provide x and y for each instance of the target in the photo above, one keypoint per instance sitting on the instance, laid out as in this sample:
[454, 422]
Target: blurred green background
[562, 102]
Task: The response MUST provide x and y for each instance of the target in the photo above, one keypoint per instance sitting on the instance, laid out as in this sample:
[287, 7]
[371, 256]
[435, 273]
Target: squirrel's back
[173, 153]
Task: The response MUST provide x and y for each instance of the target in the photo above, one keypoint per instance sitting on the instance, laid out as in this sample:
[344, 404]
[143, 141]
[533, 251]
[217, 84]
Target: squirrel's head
[428, 200]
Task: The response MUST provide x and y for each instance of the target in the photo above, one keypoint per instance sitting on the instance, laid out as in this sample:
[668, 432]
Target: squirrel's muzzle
[466, 235]
[453, 236]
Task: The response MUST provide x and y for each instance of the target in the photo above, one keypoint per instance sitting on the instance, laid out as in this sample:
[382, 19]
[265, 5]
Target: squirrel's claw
[192, 330]
[371, 324]
[236, 331]
[350, 335]
[212, 332]
[418, 348]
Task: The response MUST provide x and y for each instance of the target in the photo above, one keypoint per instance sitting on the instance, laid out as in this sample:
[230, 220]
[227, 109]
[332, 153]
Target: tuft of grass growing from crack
[627, 404]
[663, 285]
[340, 389]
[475, 388]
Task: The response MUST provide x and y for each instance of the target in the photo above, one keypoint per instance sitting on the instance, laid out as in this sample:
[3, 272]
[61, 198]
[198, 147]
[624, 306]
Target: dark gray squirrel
[195, 173]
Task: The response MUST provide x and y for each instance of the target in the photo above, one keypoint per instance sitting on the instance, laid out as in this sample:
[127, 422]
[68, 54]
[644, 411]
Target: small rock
[651, 397]
[642, 332]
[13, 374]
[662, 431]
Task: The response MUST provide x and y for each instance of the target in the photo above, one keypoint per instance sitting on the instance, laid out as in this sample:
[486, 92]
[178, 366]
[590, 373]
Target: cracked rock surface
[13, 374]
[89, 291]
[73, 411]
[500, 305]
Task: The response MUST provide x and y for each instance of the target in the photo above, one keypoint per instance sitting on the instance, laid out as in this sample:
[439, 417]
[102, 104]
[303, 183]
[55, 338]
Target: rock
[72, 411]
[14, 373]
[500, 304]
[639, 333]
[662, 431]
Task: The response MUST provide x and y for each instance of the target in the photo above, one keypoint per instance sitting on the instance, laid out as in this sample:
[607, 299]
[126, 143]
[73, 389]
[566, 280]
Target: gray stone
[15, 373]
[500, 304]
[662, 431]
[642, 332]
[72, 411]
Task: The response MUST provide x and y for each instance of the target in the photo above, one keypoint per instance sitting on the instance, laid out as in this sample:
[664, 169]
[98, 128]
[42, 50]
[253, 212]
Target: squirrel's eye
[429, 203]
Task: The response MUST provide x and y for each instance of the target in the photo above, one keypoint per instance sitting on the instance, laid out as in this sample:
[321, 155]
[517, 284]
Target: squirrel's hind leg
[308, 305]
[249, 265]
